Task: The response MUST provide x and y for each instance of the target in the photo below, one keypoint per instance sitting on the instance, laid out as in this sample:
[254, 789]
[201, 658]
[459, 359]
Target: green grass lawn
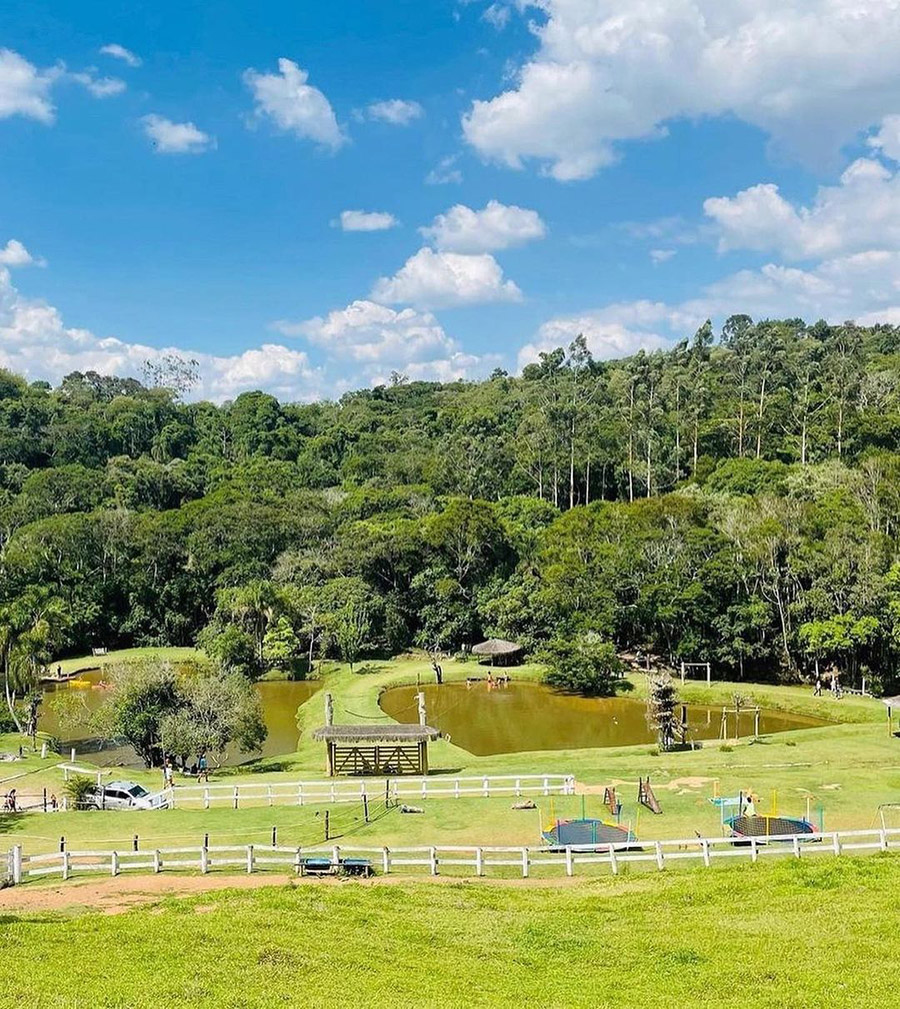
[790, 934]
[78, 665]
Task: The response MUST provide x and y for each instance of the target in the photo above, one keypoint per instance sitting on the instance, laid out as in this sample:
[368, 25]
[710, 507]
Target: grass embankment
[850, 768]
[795, 933]
[82, 664]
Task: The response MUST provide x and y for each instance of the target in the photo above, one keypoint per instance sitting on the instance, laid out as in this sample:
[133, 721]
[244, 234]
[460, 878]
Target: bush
[79, 791]
[585, 665]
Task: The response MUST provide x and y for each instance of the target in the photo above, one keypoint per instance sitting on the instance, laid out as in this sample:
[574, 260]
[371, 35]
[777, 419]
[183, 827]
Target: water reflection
[529, 716]
[82, 696]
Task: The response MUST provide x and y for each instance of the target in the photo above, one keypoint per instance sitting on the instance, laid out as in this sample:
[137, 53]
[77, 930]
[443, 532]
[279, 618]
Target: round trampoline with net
[762, 827]
[586, 832]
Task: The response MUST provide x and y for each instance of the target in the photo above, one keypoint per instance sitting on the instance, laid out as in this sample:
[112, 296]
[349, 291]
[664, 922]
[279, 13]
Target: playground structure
[737, 712]
[687, 666]
[646, 797]
[747, 823]
[586, 830]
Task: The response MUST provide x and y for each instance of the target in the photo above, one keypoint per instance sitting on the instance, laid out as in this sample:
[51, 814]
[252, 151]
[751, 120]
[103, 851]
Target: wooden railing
[301, 793]
[481, 859]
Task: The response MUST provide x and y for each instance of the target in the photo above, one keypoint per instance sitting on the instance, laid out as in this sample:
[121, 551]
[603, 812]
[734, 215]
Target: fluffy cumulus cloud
[811, 73]
[887, 139]
[35, 342]
[119, 52]
[396, 111]
[496, 226]
[293, 105]
[861, 212]
[169, 137]
[432, 279]
[367, 220]
[14, 253]
[99, 87]
[379, 340]
[25, 90]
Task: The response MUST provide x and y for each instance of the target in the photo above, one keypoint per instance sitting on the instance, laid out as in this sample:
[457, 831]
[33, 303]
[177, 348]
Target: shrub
[585, 664]
[79, 791]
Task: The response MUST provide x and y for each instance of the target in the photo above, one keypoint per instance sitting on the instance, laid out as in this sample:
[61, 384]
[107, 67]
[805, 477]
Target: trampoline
[586, 832]
[768, 826]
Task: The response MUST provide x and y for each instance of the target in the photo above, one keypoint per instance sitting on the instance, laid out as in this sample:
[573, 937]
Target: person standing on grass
[202, 769]
[167, 774]
[817, 690]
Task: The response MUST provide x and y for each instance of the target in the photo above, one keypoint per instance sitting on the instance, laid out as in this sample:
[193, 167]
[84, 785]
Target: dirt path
[115, 894]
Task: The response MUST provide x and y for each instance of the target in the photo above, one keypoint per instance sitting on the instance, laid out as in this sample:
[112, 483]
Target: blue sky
[173, 177]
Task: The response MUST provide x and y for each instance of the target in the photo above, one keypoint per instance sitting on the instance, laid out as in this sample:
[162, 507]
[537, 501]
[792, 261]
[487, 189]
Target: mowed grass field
[795, 933]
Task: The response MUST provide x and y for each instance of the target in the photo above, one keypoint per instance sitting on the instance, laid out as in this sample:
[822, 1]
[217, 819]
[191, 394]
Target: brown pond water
[529, 716]
[280, 700]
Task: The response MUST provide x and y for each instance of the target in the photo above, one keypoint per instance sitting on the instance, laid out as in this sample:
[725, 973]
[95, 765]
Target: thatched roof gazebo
[377, 749]
[500, 652]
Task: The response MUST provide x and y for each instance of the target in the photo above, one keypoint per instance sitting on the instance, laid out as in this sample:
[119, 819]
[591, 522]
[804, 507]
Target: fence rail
[301, 793]
[480, 858]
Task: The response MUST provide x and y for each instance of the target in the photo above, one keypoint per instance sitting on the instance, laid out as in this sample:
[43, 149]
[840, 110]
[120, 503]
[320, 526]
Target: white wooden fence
[481, 858]
[299, 793]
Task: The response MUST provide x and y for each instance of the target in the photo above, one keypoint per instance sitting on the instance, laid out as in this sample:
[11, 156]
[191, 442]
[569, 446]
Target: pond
[530, 716]
[84, 695]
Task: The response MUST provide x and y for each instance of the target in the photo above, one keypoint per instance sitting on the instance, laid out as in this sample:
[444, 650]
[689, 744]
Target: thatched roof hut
[388, 733]
[500, 652]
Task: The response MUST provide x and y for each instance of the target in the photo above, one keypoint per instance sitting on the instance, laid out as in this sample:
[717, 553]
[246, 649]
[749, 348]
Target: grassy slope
[851, 768]
[78, 665]
[646, 942]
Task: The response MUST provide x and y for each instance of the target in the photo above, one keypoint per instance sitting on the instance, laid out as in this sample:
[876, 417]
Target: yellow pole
[774, 802]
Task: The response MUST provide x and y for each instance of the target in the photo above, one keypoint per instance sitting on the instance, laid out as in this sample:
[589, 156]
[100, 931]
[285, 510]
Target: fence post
[485, 787]
[796, 846]
[432, 857]
[300, 794]
[518, 787]
[546, 787]
[235, 798]
[836, 843]
[206, 798]
[613, 862]
[570, 862]
[704, 844]
[336, 854]
[298, 862]
[883, 839]
[456, 788]
[479, 862]
[269, 794]
[114, 864]
[386, 860]
[157, 863]
[660, 860]
[204, 859]
[249, 858]
[524, 862]
[65, 865]
[17, 863]
[754, 849]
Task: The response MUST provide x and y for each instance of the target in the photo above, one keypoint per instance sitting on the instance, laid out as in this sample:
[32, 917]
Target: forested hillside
[734, 499]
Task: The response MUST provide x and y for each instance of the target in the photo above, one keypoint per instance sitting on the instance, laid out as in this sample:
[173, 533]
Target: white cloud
[25, 90]
[293, 105]
[15, 254]
[431, 279]
[380, 340]
[497, 226]
[364, 220]
[811, 73]
[396, 111]
[35, 342]
[860, 213]
[444, 172]
[887, 139]
[497, 15]
[99, 87]
[176, 138]
[661, 255]
[611, 332]
[121, 53]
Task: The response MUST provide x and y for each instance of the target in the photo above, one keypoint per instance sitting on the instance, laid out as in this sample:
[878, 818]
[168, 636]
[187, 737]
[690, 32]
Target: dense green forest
[735, 499]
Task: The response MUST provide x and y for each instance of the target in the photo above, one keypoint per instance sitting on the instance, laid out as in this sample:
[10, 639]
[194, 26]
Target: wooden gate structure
[376, 750]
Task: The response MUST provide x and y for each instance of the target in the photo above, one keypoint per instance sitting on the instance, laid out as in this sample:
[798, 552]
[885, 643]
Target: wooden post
[114, 864]
[17, 863]
[329, 746]
[660, 860]
[756, 723]
[479, 862]
[386, 860]
[613, 863]
[524, 862]
[570, 862]
[206, 798]
[754, 849]
[329, 709]
[432, 857]
[249, 858]
[365, 808]
[204, 859]
[704, 844]
[423, 719]
[235, 797]
[709, 674]
[327, 836]
[157, 865]
[65, 865]
[423, 757]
